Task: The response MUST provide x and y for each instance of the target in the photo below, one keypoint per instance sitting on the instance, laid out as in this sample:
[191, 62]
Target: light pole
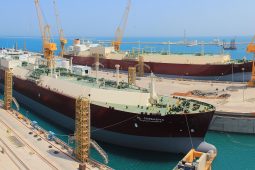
[202, 48]
[243, 83]
[232, 72]
[168, 47]
[139, 46]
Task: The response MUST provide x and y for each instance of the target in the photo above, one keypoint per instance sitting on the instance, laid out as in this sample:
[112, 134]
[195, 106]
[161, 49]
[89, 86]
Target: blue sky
[147, 17]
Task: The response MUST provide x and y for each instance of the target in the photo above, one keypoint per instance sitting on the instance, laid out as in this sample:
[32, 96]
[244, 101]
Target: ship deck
[163, 111]
[102, 83]
[174, 58]
[121, 97]
[238, 98]
[177, 58]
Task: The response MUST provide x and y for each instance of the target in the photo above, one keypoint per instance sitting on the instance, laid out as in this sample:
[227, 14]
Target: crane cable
[188, 128]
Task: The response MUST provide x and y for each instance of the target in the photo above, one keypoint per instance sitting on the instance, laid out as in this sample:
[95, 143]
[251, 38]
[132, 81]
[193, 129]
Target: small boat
[195, 160]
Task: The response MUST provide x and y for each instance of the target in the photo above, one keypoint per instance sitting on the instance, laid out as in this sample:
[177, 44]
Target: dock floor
[26, 149]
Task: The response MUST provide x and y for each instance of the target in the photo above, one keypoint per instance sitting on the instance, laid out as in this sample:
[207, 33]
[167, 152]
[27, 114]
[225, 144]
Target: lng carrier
[185, 65]
[121, 113]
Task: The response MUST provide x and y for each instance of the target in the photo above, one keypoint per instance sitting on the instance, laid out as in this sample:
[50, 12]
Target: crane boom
[121, 28]
[62, 40]
[48, 46]
[40, 18]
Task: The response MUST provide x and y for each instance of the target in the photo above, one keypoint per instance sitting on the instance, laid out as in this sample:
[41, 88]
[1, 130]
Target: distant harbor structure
[231, 46]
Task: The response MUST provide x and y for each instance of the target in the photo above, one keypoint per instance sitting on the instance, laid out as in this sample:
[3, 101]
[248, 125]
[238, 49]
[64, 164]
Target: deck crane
[48, 46]
[121, 28]
[62, 40]
[251, 49]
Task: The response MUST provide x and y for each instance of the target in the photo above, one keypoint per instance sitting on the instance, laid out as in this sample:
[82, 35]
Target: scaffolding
[82, 129]
[8, 89]
[117, 66]
[141, 66]
[131, 75]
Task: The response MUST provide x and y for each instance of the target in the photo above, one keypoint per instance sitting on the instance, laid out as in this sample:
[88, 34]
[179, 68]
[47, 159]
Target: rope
[114, 124]
[191, 142]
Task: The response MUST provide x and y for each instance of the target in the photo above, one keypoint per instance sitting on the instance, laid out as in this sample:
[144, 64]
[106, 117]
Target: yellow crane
[121, 28]
[251, 49]
[62, 39]
[48, 46]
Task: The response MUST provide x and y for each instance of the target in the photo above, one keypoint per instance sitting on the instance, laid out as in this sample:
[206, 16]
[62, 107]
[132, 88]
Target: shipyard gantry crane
[121, 28]
[251, 49]
[48, 46]
[62, 39]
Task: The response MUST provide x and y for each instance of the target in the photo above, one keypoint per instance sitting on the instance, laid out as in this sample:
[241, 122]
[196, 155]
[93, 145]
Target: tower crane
[62, 39]
[48, 46]
[121, 28]
[251, 49]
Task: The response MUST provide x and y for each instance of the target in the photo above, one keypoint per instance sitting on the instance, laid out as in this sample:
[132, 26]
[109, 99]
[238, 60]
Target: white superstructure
[80, 47]
[81, 70]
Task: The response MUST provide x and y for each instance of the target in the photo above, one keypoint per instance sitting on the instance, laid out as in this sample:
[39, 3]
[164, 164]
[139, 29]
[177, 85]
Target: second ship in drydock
[121, 113]
[200, 65]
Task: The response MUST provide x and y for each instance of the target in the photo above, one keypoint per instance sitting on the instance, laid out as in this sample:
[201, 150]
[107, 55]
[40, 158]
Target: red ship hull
[170, 68]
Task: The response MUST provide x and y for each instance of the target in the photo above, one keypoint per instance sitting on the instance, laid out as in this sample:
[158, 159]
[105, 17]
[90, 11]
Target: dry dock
[234, 102]
[24, 148]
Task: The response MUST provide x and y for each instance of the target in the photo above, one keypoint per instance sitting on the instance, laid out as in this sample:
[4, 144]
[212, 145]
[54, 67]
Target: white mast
[153, 94]
[202, 48]
[97, 69]
[117, 66]
[71, 64]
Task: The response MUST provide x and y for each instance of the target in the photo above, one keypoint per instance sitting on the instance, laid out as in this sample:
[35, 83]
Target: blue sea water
[34, 44]
[235, 151]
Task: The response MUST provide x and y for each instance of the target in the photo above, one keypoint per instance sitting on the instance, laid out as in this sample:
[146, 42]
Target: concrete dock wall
[233, 122]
